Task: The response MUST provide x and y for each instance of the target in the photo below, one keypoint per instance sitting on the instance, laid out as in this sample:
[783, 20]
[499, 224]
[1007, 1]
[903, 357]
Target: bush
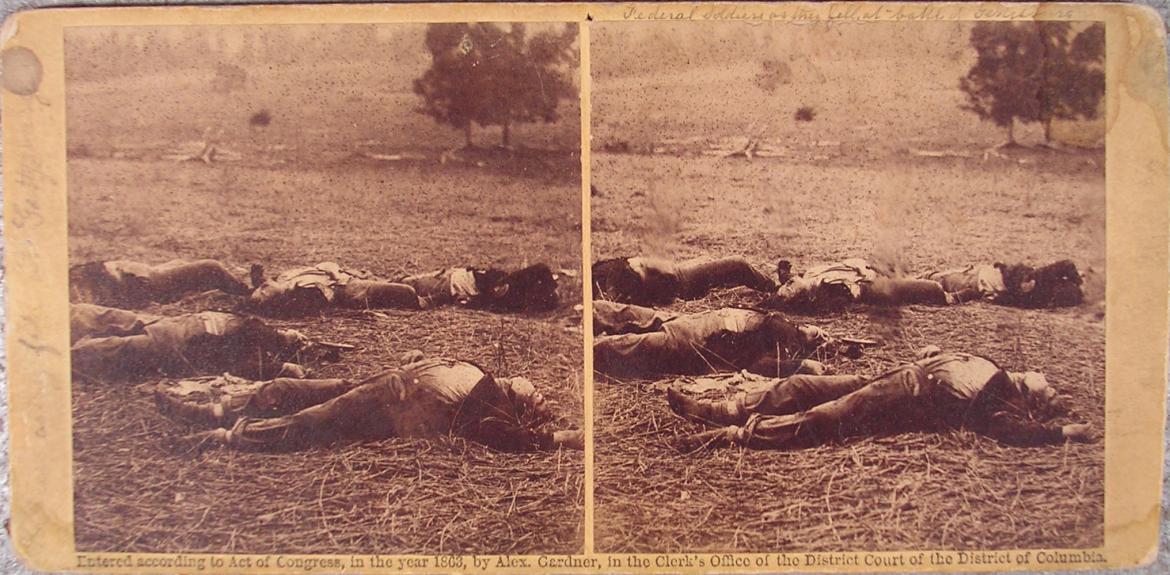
[805, 114]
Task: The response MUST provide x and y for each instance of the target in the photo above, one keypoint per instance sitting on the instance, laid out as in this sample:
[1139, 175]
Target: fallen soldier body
[939, 391]
[1057, 284]
[312, 289]
[651, 281]
[424, 398]
[637, 340]
[532, 288]
[127, 284]
[108, 342]
[833, 286]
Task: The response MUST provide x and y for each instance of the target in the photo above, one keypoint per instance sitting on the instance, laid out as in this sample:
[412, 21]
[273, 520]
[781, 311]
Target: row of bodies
[441, 396]
[804, 405]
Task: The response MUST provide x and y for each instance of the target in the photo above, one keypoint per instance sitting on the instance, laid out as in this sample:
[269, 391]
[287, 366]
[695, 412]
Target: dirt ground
[336, 176]
[915, 491]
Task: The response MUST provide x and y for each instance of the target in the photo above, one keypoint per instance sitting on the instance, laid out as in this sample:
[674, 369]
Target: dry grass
[912, 491]
[132, 493]
[314, 184]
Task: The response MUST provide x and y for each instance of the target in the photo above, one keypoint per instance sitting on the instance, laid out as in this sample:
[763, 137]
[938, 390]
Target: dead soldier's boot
[726, 412]
[222, 412]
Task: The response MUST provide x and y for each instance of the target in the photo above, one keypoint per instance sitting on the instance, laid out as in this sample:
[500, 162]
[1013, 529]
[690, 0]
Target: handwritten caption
[475, 563]
[837, 13]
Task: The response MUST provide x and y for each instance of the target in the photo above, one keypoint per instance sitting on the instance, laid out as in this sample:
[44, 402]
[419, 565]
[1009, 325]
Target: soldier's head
[1055, 285]
[290, 344]
[635, 280]
[256, 275]
[927, 352]
[813, 336]
[531, 288]
[616, 280]
[1039, 397]
[87, 282]
[292, 340]
[1018, 279]
[412, 356]
[530, 401]
[92, 283]
[784, 271]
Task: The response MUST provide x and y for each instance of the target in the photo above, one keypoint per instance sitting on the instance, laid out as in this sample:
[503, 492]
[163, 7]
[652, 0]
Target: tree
[1032, 72]
[482, 74]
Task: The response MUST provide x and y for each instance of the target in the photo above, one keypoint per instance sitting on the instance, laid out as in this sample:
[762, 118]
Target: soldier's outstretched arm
[1012, 429]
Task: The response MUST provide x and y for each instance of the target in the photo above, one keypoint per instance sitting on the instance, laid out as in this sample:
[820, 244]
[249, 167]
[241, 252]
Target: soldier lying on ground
[833, 286]
[638, 340]
[1054, 285]
[131, 285]
[424, 398]
[654, 281]
[939, 391]
[311, 289]
[530, 288]
[108, 342]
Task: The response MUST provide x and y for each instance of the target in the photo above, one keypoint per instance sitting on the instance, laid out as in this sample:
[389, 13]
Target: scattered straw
[954, 490]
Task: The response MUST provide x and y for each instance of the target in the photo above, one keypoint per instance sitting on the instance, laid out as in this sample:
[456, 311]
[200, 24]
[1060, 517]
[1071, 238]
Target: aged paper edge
[1137, 243]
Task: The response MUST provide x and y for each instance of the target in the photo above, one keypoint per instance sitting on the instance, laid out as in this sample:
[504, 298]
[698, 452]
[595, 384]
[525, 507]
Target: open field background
[329, 91]
[847, 184]
[296, 192]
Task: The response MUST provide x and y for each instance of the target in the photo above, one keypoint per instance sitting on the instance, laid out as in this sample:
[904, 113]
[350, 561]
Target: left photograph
[326, 288]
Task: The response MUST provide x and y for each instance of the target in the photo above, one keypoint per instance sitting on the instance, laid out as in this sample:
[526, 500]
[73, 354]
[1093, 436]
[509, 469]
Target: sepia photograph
[326, 288]
[849, 286]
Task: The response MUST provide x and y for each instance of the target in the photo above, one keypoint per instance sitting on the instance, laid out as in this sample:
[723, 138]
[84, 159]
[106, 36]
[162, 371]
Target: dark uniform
[1058, 284]
[639, 340]
[652, 281]
[108, 342]
[128, 284]
[311, 289]
[943, 391]
[426, 398]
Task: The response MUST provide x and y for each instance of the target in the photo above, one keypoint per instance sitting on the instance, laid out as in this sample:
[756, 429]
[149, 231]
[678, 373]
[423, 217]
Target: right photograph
[849, 286]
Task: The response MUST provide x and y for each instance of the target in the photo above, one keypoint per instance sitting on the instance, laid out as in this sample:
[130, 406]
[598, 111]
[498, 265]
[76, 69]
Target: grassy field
[392, 496]
[914, 491]
[297, 192]
[853, 182]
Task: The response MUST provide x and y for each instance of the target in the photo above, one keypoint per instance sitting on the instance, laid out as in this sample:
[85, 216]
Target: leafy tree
[483, 74]
[1033, 72]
